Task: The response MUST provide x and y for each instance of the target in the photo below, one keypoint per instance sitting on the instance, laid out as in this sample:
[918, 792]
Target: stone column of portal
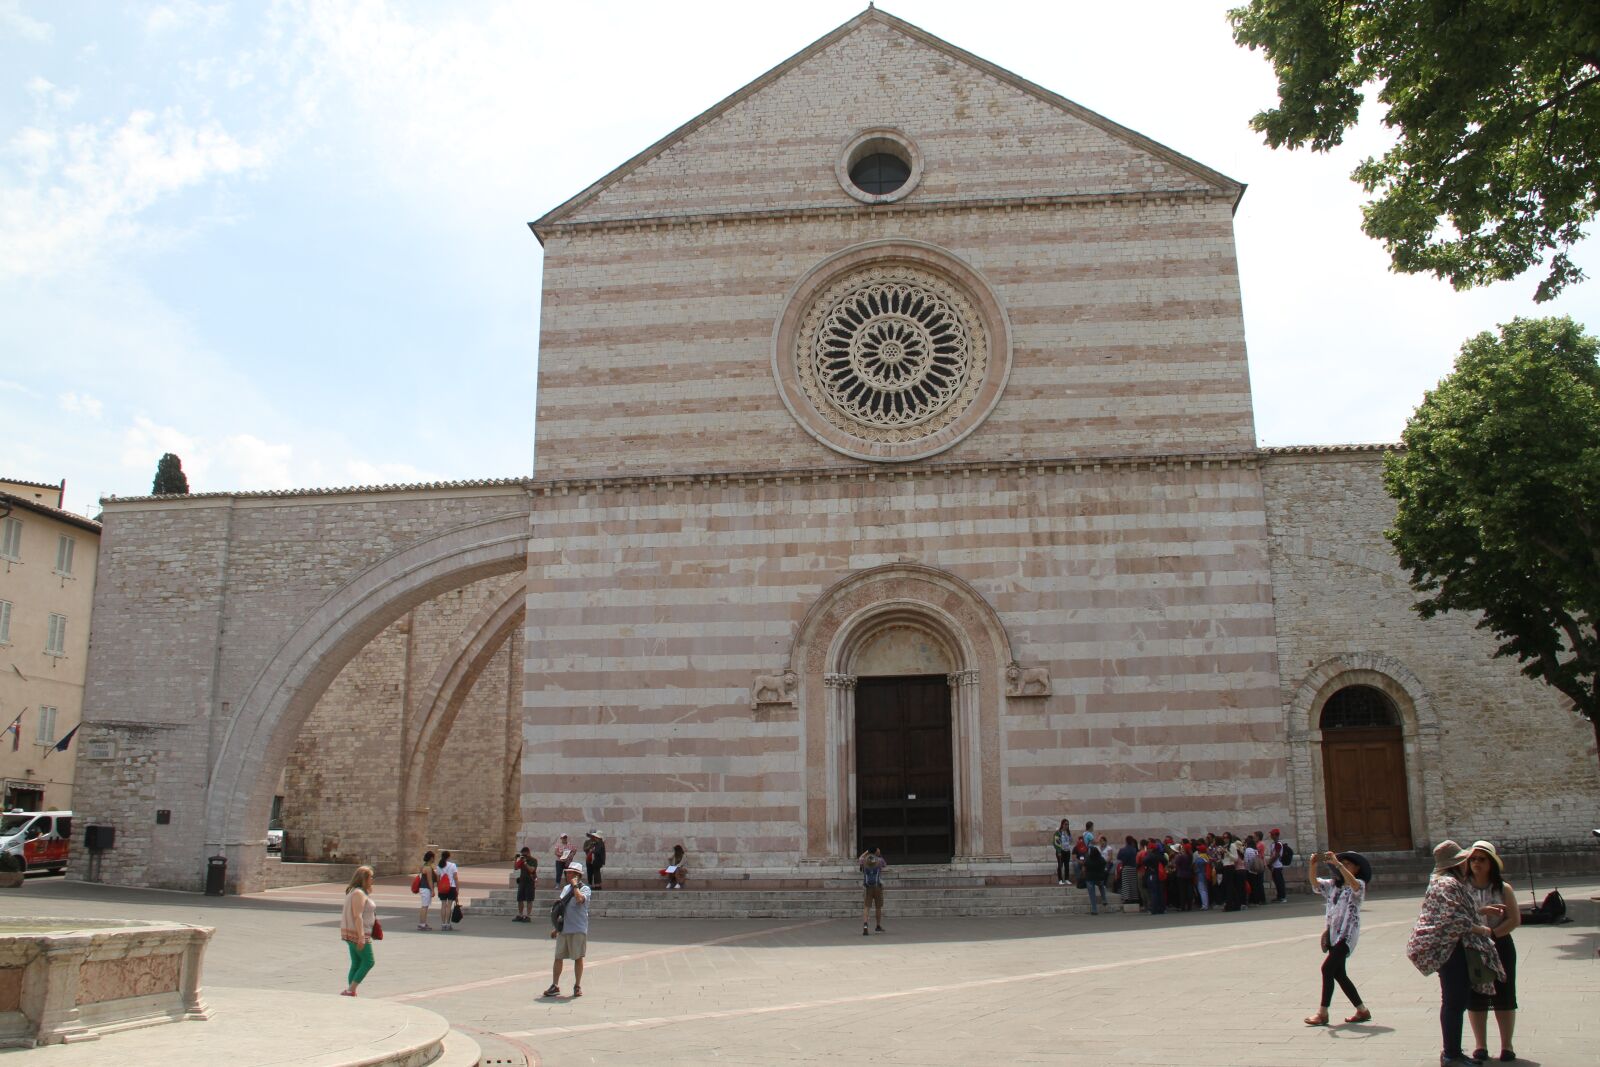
[968, 768]
[841, 768]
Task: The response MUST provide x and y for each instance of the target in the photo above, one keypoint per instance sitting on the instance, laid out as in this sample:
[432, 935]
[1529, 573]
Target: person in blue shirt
[572, 939]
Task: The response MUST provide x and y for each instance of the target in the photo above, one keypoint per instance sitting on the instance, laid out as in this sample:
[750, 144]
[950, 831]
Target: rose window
[891, 354]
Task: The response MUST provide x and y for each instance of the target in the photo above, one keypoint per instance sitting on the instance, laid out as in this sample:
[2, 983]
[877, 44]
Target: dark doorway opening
[1364, 771]
[905, 782]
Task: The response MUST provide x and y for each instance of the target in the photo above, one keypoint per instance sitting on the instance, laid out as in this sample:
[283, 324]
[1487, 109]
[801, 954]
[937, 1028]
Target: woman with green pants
[355, 926]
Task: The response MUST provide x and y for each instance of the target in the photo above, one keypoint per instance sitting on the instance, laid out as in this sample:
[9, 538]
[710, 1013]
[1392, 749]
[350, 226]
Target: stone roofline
[1224, 184]
[863, 472]
[951, 206]
[10, 500]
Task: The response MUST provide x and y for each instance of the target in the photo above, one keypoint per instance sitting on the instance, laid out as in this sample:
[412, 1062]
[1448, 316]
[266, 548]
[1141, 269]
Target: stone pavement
[1182, 989]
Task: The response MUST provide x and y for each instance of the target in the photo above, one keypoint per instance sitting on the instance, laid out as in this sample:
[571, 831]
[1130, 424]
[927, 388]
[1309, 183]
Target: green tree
[1498, 494]
[1497, 107]
[170, 479]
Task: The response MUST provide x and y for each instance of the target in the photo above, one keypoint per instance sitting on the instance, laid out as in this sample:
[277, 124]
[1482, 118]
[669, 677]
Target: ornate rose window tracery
[892, 353]
[891, 356]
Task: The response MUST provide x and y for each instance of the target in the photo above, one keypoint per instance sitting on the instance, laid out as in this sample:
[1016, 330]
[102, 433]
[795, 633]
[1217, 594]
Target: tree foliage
[170, 479]
[1497, 108]
[1498, 494]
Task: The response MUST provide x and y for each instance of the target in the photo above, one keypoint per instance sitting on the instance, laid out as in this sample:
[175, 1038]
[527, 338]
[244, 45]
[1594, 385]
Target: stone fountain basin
[65, 979]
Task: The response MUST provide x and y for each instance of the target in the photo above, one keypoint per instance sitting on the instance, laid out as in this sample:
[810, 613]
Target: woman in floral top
[1343, 895]
[1450, 939]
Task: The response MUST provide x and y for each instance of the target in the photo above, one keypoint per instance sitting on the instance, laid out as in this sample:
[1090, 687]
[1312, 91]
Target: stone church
[897, 483]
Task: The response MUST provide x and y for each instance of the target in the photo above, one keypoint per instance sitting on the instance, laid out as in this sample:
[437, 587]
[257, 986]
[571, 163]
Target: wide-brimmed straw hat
[1494, 857]
[1447, 855]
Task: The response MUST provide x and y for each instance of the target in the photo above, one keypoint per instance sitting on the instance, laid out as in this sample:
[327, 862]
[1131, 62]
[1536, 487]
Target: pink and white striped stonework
[1100, 519]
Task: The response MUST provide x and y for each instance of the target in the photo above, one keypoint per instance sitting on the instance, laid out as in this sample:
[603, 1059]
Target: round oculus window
[879, 166]
[880, 173]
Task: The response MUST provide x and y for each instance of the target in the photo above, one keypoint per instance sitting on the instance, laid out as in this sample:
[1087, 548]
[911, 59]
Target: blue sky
[287, 240]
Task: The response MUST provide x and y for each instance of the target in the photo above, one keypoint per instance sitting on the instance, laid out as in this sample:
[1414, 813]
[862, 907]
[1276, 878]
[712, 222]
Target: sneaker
[878, 928]
[864, 931]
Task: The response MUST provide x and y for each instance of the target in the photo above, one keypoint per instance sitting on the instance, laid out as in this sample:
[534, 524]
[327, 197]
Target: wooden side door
[1364, 771]
[905, 782]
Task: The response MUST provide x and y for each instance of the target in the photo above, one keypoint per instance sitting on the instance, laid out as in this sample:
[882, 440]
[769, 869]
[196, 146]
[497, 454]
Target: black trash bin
[216, 875]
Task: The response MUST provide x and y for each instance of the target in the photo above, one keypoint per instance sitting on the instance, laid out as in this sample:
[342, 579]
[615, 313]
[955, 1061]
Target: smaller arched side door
[1364, 772]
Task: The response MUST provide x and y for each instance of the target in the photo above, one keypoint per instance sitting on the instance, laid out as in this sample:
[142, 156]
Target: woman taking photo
[1497, 906]
[1450, 939]
[1342, 897]
[356, 927]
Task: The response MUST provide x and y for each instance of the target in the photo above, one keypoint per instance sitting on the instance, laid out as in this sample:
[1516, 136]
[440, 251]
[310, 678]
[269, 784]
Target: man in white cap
[572, 936]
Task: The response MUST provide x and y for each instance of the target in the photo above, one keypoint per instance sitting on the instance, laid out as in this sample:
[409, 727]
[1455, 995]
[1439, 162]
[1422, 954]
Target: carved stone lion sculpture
[774, 688]
[1027, 681]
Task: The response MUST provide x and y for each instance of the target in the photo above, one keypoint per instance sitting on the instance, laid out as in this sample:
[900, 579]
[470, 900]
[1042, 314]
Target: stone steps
[805, 903]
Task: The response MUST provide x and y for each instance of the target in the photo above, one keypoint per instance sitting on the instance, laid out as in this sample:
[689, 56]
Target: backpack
[558, 911]
[1253, 861]
[1286, 855]
[416, 883]
[1552, 909]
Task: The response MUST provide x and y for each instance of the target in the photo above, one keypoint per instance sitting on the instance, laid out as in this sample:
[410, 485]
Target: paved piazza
[1194, 989]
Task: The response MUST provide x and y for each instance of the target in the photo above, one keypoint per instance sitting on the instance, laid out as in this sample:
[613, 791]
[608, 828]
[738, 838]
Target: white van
[41, 839]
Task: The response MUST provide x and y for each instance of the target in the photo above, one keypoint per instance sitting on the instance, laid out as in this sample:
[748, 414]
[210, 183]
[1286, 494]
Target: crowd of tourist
[1182, 874]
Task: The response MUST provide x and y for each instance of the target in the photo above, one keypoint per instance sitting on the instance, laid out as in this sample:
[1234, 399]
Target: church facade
[897, 484]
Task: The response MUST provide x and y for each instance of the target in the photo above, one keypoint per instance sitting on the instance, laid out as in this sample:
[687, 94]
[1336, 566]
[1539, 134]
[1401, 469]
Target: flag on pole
[16, 729]
[61, 745]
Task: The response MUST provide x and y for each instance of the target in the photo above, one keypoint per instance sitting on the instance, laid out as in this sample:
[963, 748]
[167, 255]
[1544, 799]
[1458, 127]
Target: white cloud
[81, 404]
[247, 460]
[184, 15]
[75, 192]
[29, 29]
[146, 440]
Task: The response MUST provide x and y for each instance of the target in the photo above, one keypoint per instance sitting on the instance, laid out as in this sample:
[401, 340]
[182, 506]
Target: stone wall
[198, 601]
[1494, 754]
[1144, 589]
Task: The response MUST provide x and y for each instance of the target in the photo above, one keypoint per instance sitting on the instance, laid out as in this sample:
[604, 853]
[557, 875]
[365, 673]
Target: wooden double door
[1364, 771]
[905, 783]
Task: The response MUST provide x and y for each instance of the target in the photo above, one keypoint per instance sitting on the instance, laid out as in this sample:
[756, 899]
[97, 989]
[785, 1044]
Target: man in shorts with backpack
[569, 919]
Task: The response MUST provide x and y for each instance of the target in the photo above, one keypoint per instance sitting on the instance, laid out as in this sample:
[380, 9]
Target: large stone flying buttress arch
[441, 700]
[838, 625]
[263, 729]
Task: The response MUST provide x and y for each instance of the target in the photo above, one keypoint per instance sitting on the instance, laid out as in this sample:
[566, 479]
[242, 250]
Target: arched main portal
[903, 621]
[263, 730]
[904, 743]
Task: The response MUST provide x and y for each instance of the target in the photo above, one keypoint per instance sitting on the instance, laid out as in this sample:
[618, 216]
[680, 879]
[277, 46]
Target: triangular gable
[1180, 172]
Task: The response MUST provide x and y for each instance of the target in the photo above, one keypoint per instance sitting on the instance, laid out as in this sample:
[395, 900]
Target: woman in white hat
[1497, 904]
[1450, 939]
